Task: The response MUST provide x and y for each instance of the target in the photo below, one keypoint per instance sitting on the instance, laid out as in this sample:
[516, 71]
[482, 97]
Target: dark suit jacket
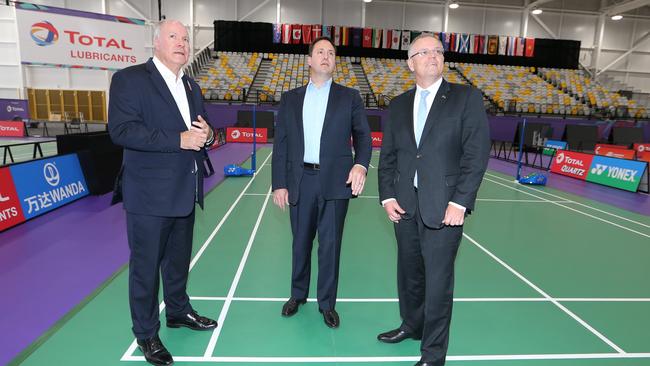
[157, 176]
[450, 161]
[345, 117]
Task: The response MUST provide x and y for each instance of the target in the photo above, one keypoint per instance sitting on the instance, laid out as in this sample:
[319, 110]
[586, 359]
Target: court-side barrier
[36, 187]
[37, 150]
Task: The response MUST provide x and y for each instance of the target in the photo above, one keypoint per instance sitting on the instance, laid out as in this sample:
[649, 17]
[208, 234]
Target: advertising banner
[640, 148]
[551, 145]
[13, 108]
[614, 151]
[11, 213]
[619, 173]
[43, 185]
[377, 138]
[572, 164]
[245, 134]
[61, 37]
[12, 129]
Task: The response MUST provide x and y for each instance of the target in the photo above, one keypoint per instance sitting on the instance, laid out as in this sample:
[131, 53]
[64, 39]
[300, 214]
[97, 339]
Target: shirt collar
[327, 84]
[433, 88]
[166, 73]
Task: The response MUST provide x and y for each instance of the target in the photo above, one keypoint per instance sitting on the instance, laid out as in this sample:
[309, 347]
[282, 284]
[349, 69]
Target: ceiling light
[367, 1]
[537, 11]
[453, 5]
[617, 17]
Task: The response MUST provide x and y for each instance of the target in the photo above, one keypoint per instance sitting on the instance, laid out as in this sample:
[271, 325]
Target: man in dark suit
[156, 113]
[434, 154]
[315, 173]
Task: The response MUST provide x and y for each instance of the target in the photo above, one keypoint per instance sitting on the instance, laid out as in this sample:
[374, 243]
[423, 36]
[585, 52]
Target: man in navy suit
[315, 173]
[156, 113]
[433, 156]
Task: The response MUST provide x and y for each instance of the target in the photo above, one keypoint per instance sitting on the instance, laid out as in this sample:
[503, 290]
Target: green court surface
[25, 152]
[543, 278]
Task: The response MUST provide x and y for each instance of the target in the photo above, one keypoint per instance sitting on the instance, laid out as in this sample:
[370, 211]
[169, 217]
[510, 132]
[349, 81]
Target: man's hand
[357, 178]
[196, 136]
[394, 211]
[454, 216]
[281, 197]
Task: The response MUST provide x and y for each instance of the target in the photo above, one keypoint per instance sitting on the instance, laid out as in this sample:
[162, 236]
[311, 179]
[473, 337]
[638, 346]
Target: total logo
[14, 109]
[51, 174]
[235, 134]
[559, 158]
[44, 33]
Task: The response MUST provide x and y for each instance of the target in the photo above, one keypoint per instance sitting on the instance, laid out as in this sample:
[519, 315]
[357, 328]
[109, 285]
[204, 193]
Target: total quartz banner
[68, 38]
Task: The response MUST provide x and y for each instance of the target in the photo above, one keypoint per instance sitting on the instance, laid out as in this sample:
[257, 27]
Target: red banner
[11, 213]
[572, 164]
[639, 148]
[12, 128]
[377, 138]
[614, 151]
[244, 134]
[643, 155]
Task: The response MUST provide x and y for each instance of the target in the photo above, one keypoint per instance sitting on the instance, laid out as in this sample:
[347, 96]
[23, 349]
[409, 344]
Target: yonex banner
[43, 185]
[619, 173]
[52, 36]
[245, 134]
[551, 145]
[12, 129]
[11, 213]
[13, 108]
[572, 164]
[614, 151]
[377, 138]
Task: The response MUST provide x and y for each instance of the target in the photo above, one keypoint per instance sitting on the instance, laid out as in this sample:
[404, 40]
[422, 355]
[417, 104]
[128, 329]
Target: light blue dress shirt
[313, 118]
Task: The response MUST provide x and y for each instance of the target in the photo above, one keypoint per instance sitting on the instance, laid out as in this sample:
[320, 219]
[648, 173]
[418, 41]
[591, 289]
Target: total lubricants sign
[46, 184]
[63, 37]
[11, 212]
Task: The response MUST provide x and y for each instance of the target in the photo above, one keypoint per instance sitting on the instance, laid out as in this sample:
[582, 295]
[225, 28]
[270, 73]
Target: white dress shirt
[176, 87]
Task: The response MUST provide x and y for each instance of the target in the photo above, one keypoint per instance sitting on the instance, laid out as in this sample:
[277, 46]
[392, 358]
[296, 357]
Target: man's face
[322, 59]
[172, 46]
[427, 60]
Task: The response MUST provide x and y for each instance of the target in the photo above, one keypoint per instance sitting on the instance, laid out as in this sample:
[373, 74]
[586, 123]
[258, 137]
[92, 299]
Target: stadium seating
[228, 75]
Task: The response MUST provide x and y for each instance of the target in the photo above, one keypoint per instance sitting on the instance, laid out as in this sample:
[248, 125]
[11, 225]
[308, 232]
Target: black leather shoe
[331, 318]
[193, 321]
[420, 363]
[291, 306]
[395, 336]
[154, 351]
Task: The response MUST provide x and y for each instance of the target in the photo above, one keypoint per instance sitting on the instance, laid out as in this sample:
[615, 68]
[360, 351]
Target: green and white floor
[542, 278]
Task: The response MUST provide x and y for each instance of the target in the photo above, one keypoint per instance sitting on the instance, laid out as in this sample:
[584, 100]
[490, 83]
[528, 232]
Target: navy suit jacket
[450, 160]
[158, 178]
[345, 117]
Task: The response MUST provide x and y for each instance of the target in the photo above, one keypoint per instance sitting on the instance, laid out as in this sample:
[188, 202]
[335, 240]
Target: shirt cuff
[384, 202]
[457, 206]
[364, 168]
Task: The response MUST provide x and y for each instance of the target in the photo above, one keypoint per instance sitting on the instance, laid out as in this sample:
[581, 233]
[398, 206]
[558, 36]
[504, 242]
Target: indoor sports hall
[553, 266]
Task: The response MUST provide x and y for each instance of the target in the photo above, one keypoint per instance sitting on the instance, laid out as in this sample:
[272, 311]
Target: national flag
[345, 36]
[396, 39]
[406, 40]
[530, 47]
[503, 45]
[367, 37]
[463, 43]
[286, 33]
[493, 45]
[327, 32]
[316, 31]
[387, 38]
[306, 33]
[296, 33]
[357, 36]
[376, 38]
[337, 36]
[277, 33]
[521, 45]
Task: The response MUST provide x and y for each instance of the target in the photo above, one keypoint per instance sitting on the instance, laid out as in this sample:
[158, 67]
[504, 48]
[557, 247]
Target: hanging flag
[345, 36]
[472, 43]
[316, 31]
[277, 33]
[296, 33]
[503, 45]
[367, 37]
[356, 37]
[463, 43]
[326, 32]
[493, 45]
[286, 33]
[376, 38]
[445, 38]
[521, 45]
[530, 47]
[386, 38]
[306, 33]
[396, 40]
[406, 40]
[337, 36]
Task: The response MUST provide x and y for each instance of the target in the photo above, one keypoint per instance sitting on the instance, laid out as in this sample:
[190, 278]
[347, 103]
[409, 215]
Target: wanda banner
[68, 38]
[12, 129]
[377, 138]
[245, 134]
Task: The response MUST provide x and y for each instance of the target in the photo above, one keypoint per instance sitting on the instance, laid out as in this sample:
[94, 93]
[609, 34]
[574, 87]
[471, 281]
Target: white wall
[479, 18]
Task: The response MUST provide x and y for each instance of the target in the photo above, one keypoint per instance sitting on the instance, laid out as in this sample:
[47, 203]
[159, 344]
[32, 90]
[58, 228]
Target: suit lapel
[163, 90]
[190, 98]
[438, 102]
[300, 95]
[410, 99]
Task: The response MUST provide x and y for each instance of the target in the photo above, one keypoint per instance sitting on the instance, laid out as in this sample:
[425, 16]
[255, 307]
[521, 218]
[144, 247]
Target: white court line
[198, 255]
[484, 199]
[371, 166]
[521, 357]
[571, 208]
[544, 294]
[456, 299]
[571, 201]
[235, 282]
